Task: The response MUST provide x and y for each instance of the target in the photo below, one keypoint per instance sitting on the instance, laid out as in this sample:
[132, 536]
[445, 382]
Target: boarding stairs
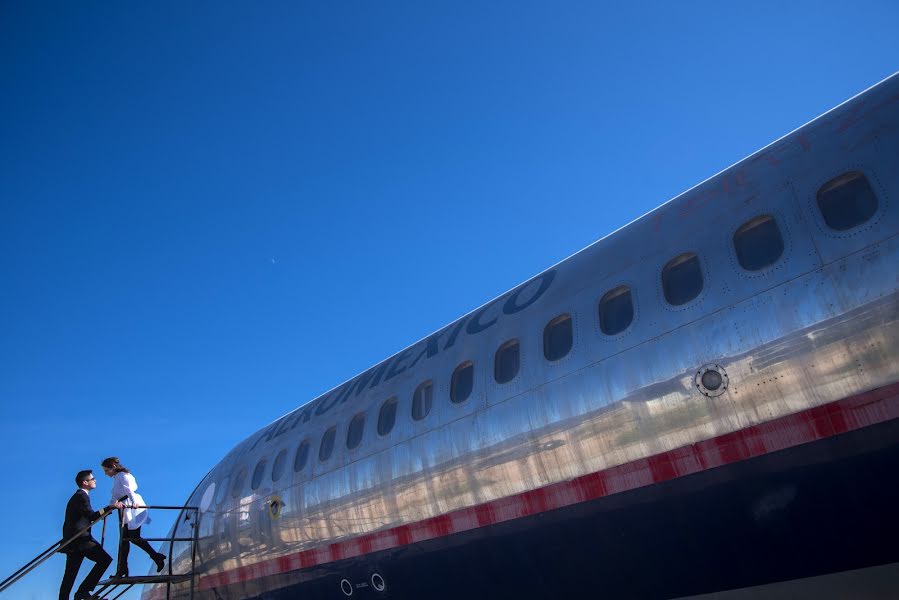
[115, 587]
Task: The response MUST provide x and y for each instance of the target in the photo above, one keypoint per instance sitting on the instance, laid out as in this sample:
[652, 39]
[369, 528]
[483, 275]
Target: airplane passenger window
[278, 465]
[682, 279]
[327, 447]
[238, 483]
[758, 243]
[421, 400]
[507, 361]
[558, 337]
[847, 201]
[462, 382]
[354, 433]
[257, 474]
[387, 416]
[302, 455]
[616, 310]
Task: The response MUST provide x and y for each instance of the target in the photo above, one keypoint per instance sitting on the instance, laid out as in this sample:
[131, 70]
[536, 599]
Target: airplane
[702, 404]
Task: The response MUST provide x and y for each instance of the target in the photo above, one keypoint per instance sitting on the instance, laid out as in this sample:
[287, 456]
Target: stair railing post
[193, 551]
[118, 555]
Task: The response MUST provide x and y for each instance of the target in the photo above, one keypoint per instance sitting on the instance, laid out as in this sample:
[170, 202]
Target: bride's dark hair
[115, 464]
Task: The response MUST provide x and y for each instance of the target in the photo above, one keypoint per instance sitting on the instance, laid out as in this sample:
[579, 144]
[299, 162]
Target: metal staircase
[116, 587]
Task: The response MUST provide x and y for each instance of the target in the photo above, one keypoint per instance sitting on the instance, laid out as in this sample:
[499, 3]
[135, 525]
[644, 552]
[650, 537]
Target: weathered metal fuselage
[612, 470]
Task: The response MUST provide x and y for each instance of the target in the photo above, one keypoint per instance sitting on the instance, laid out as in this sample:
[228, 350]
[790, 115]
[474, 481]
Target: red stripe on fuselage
[855, 412]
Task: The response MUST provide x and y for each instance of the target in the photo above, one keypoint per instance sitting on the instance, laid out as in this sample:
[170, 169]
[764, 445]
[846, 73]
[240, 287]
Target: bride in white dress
[134, 515]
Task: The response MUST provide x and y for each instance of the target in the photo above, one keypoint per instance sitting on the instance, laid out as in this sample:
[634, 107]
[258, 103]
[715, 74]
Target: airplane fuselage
[705, 400]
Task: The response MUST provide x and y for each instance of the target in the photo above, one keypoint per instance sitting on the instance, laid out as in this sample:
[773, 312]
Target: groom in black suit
[80, 514]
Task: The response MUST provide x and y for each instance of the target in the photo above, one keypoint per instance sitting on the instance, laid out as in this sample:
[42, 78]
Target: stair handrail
[109, 586]
[40, 558]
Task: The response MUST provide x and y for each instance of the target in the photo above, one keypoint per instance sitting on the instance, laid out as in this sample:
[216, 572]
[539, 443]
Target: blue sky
[211, 213]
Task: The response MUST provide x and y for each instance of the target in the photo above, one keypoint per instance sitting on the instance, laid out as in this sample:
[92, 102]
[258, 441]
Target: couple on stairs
[80, 513]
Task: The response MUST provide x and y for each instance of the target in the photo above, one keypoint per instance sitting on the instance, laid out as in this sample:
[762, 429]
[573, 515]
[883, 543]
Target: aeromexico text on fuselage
[481, 320]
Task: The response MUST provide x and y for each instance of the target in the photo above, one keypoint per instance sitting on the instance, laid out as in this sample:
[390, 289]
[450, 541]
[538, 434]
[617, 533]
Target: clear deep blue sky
[212, 213]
